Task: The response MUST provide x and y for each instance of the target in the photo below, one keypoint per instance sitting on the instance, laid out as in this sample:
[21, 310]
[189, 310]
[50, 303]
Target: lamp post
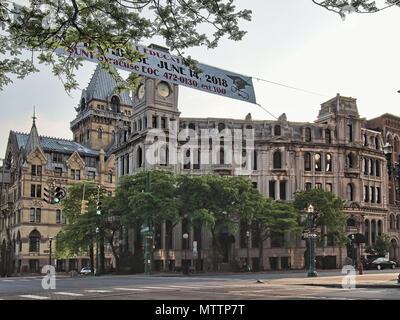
[184, 268]
[50, 240]
[97, 252]
[248, 250]
[311, 270]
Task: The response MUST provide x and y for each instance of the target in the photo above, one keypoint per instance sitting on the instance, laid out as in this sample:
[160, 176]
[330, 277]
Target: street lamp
[248, 250]
[50, 240]
[311, 237]
[185, 236]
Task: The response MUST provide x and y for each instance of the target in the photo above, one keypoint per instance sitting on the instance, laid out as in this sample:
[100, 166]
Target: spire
[33, 138]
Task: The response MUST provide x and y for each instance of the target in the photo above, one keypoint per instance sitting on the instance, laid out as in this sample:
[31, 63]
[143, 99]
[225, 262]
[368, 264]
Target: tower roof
[102, 86]
[33, 137]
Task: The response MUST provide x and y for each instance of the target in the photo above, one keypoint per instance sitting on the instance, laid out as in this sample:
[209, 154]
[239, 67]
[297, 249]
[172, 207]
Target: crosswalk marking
[69, 294]
[8, 280]
[31, 296]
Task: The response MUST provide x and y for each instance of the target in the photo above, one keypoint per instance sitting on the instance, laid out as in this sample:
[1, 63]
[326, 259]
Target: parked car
[381, 263]
[86, 270]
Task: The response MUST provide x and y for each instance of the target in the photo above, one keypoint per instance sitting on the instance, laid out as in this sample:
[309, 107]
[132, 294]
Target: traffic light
[60, 194]
[98, 207]
[84, 206]
[48, 195]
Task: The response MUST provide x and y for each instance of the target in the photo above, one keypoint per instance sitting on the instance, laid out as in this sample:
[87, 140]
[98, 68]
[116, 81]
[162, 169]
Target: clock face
[163, 89]
[141, 91]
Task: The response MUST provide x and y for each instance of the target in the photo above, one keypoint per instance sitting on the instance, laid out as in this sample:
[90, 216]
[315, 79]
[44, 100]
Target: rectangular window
[282, 190]
[378, 195]
[64, 220]
[372, 194]
[163, 123]
[308, 186]
[91, 162]
[318, 185]
[33, 172]
[73, 174]
[109, 178]
[33, 190]
[328, 187]
[38, 215]
[57, 157]
[272, 189]
[39, 191]
[154, 124]
[32, 215]
[58, 216]
[91, 175]
[366, 194]
[349, 132]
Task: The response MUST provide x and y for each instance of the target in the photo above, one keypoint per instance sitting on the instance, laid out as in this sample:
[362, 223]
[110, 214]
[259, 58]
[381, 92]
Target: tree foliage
[343, 7]
[44, 25]
[328, 210]
[381, 246]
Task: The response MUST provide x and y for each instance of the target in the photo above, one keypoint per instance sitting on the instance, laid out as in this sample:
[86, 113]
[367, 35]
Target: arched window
[221, 156]
[377, 168]
[391, 222]
[221, 126]
[277, 130]
[317, 158]
[377, 145]
[328, 162]
[398, 222]
[373, 231]
[34, 241]
[379, 227]
[307, 161]
[307, 133]
[115, 104]
[277, 160]
[396, 144]
[366, 231]
[350, 192]
[99, 133]
[371, 166]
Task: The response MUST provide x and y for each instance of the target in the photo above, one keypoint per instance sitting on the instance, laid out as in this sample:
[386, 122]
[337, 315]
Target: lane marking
[131, 289]
[98, 291]
[31, 296]
[8, 280]
[69, 294]
[165, 288]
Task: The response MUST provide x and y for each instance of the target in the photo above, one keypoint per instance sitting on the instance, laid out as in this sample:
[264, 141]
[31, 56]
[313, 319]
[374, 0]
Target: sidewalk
[384, 280]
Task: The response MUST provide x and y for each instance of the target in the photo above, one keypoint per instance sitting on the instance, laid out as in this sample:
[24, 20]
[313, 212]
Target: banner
[163, 66]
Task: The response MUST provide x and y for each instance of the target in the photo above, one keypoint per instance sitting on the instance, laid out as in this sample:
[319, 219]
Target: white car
[86, 270]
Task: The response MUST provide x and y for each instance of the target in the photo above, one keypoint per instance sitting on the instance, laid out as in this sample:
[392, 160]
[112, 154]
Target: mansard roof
[55, 145]
[102, 85]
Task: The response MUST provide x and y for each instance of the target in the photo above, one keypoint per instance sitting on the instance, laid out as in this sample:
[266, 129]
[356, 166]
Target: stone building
[32, 162]
[281, 158]
[389, 126]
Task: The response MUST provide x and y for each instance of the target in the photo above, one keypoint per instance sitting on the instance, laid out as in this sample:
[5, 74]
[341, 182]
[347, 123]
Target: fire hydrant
[360, 268]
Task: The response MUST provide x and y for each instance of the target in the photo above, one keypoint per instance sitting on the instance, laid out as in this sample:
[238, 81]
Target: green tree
[275, 219]
[381, 246]
[44, 25]
[343, 7]
[328, 211]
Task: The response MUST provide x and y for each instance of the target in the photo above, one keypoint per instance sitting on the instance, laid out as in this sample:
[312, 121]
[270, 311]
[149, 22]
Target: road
[244, 286]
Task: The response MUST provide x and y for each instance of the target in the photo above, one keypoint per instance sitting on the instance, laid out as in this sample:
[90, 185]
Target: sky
[292, 42]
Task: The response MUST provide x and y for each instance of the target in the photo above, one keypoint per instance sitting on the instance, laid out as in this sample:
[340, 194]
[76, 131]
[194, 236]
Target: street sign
[313, 235]
[145, 229]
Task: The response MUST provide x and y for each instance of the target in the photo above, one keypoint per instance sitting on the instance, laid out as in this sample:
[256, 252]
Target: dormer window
[83, 104]
[115, 104]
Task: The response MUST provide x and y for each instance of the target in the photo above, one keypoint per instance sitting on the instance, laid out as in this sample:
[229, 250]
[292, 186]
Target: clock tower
[155, 105]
